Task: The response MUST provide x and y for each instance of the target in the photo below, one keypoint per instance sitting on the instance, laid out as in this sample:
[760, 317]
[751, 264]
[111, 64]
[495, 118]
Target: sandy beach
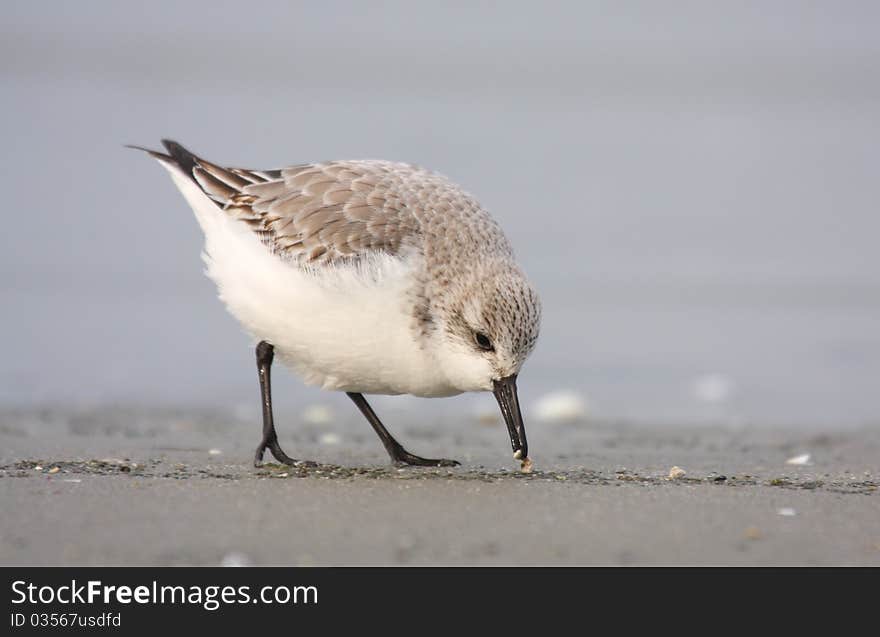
[156, 487]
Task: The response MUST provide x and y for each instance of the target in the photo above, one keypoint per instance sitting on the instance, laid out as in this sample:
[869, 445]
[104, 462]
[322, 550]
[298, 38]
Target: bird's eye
[483, 342]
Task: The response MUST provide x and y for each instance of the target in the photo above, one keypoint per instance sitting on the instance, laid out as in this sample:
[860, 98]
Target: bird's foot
[405, 458]
[280, 456]
[291, 462]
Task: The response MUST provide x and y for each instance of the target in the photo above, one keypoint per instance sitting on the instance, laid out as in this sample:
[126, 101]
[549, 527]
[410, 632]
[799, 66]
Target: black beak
[505, 394]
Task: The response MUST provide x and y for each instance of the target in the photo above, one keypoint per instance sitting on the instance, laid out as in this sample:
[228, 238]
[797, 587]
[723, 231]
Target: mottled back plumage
[344, 210]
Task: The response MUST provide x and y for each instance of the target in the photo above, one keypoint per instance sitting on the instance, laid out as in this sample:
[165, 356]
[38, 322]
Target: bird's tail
[220, 184]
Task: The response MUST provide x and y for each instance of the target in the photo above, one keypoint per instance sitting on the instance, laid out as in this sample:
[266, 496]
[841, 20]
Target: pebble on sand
[803, 459]
[526, 465]
[560, 406]
[786, 512]
[676, 472]
[54, 470]
[214, 452]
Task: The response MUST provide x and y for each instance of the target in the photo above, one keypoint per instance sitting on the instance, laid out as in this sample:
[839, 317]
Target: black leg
[398, 454]
[265, 354]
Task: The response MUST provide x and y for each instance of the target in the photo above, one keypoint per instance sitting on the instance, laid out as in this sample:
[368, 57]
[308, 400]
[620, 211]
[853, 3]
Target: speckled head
[487, 321]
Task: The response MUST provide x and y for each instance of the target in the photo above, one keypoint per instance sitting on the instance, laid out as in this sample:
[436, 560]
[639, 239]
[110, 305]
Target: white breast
[340, 327]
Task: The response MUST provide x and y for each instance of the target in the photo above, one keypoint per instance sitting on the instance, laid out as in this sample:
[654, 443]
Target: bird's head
[488, 325]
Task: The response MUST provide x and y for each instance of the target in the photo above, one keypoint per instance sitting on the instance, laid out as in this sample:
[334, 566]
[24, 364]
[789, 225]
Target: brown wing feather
[344, 210]
[321, 212]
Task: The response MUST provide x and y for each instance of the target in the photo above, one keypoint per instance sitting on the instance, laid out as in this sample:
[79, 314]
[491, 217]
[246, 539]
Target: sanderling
[368, 277]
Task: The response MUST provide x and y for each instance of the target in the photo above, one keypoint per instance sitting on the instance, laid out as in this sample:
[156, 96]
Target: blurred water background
[693, 187]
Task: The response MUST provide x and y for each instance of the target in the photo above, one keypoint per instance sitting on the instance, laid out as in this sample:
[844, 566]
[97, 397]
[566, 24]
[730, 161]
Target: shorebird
[368, 277]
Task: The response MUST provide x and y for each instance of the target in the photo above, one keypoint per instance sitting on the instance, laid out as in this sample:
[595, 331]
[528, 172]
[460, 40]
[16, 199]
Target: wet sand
[147, 486]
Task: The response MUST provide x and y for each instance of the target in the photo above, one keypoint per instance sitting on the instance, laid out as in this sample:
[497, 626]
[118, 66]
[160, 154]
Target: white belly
[342, 328]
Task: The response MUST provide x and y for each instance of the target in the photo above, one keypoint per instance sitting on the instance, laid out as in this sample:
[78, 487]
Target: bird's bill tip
[506, 395]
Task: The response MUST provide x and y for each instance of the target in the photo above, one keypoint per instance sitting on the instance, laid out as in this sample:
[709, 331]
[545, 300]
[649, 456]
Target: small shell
[526, 465]
[676, 472]
[803, 459]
